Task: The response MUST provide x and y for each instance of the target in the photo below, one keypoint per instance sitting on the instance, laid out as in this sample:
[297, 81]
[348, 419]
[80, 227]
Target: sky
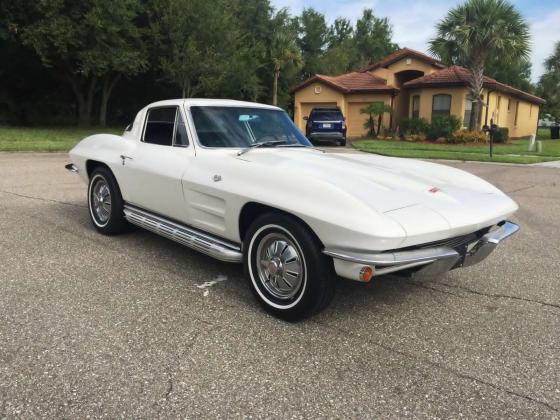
[414, 20]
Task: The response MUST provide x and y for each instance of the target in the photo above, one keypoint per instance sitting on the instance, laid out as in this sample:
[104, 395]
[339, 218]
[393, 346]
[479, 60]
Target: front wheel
[105, 202]
[288, 274]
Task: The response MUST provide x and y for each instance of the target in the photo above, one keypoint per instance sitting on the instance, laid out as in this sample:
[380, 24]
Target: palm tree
[375, 109]
[549, 85]
[284, 50]
[476, 30]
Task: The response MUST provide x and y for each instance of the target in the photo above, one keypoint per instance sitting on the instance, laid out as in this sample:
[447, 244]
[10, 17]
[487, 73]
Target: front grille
[456, 242]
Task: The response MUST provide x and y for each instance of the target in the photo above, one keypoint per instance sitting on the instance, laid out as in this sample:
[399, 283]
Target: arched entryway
[401, 104]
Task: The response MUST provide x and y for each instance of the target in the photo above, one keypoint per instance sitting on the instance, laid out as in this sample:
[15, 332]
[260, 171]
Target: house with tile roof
[414, 84]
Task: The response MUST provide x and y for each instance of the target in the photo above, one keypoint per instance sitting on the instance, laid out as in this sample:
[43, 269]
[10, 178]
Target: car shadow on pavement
[192, 269]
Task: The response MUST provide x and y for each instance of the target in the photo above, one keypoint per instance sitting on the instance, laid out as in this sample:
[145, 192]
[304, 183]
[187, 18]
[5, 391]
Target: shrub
[443, 126]
[415, 138]
[413, 126]
[388, 132]
[502, 135]
[465, 136]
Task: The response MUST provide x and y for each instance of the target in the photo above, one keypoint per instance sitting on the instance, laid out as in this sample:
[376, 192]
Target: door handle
[124, 158]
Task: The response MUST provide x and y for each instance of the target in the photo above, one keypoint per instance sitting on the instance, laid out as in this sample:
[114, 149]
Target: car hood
[390, 185]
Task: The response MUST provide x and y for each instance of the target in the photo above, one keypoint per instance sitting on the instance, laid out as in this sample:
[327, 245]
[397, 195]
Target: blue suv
[326, 124]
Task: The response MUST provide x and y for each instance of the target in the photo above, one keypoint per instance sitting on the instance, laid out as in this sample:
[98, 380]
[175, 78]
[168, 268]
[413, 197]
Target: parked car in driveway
[239, 182]
[326, 124]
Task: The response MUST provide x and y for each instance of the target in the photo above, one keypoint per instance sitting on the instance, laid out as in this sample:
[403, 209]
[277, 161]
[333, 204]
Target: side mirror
[305, 118]
[343, 118]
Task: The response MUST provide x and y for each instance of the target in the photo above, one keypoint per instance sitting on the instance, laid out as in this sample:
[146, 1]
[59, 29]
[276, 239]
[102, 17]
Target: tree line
[118, 55]
[99, 61]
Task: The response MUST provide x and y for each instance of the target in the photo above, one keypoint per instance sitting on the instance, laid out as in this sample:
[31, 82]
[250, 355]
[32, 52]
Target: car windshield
[218, 126]
[327, 115]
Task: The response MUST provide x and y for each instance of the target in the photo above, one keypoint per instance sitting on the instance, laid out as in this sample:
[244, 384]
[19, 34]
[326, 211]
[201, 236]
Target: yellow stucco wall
[314, 93]
[350, 105]
[527, 114]
[527, 117]
[318, 94]
[355, 119]
[458, 96]
[402, 65]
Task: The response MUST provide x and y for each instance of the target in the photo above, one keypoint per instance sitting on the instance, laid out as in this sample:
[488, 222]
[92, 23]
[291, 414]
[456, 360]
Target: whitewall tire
[287, 272]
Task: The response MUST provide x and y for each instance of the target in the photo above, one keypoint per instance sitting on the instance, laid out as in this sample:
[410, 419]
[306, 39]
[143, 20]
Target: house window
[499, 103]
[468, 112]
[441, 105]
[416, 106]
[516, 112]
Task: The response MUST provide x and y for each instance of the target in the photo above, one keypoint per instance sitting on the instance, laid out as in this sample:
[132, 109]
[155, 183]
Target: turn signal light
[366, 273]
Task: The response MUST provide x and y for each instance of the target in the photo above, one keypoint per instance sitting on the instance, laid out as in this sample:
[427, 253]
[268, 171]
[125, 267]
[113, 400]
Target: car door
[153, 171]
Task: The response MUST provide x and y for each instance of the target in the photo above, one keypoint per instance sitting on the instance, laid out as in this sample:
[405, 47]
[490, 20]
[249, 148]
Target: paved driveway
[120, 326]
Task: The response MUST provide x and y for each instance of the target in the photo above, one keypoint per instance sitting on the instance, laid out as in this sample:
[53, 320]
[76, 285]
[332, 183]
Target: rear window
[327, 115]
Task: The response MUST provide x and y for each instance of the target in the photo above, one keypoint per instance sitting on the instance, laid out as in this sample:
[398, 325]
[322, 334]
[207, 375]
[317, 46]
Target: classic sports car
[239, 182]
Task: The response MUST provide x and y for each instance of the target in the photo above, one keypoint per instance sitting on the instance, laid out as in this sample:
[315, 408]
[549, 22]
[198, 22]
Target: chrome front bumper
[428, 261]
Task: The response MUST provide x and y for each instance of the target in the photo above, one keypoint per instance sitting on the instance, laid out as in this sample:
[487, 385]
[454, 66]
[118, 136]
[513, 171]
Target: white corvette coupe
[239, 182]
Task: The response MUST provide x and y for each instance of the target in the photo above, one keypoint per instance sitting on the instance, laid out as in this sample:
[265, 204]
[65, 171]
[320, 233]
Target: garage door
[306, 108]
[355, 119]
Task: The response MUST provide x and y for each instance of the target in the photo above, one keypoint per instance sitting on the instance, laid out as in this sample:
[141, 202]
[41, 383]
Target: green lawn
[515, 152]
[51, 139]
[543, 134]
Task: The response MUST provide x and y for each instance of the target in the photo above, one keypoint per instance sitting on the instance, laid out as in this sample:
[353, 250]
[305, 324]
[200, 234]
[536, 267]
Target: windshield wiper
[293, 145]
[260, 144]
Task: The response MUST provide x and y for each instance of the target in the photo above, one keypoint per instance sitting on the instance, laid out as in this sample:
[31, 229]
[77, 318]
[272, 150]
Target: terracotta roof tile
[457, 75]
[353, 82]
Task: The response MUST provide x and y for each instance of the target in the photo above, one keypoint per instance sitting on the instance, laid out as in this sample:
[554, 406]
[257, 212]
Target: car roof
[325, 108]
[210, 102]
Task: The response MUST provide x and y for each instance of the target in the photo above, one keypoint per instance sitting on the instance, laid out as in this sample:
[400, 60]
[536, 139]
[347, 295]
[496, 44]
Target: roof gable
[401, 55]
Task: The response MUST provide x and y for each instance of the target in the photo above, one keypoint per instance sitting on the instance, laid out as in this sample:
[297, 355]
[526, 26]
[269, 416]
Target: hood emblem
[433, 190]
[217, 178]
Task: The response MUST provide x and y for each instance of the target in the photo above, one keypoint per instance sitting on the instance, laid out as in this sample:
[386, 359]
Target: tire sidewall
[116, 222]
[319, 279]
[252, 261]
[98, 175]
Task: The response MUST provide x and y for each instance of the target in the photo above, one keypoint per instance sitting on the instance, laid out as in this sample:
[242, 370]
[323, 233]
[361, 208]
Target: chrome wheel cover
[280, 266]
[100, 201]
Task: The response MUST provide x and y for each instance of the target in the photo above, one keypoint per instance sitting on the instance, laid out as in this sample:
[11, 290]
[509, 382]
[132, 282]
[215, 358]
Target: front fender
[336, 216]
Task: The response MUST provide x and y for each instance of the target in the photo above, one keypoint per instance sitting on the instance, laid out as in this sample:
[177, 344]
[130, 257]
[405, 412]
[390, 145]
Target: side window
[441, 105]
[415, 106]
[181, 138]
[468, 112]
[160, 126]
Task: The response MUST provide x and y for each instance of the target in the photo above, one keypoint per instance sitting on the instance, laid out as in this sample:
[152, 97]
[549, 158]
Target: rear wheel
[105, 202]
[342, 142]
[288, 274]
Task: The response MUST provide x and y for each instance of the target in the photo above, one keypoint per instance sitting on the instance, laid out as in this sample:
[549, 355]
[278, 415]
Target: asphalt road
[94, 326]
